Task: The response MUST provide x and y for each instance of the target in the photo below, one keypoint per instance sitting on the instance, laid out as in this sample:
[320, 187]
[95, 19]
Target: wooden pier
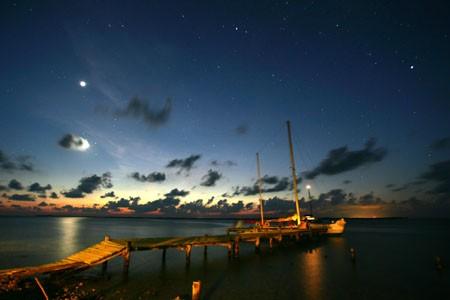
[109, 248]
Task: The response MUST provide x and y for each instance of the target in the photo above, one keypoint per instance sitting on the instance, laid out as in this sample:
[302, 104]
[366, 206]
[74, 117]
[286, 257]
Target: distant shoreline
[253, 218]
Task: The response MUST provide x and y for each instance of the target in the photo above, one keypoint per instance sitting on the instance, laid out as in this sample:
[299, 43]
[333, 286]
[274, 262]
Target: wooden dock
[109, 248]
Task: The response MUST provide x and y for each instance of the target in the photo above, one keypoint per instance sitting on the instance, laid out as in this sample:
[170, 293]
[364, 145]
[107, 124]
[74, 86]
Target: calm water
[395, 260]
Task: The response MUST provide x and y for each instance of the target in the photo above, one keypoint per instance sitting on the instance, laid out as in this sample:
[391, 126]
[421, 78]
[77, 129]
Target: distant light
[308, 187]
[411, 67]
[83, 83]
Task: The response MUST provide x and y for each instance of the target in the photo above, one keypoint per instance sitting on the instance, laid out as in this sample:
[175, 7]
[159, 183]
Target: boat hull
[336, 228]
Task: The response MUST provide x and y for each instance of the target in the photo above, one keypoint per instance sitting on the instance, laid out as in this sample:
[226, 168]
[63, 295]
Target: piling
[236, 247]
[229, 248]
[353, 254]
[164, 250]
[257, 244]
[41, 288]
[188, 250]
[205, 252]
[196, 289]
[126, 259]
[438, 263]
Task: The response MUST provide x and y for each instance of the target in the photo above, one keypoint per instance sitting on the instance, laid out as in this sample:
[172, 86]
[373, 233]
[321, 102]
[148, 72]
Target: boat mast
[294, 175]
[260, 187]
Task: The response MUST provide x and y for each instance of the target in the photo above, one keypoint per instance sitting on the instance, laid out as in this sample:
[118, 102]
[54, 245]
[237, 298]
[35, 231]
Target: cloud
[73, 142]
[441, 144]
[241, 129]
[176, 193]
[21, 197]
[89, 184]
[109, 195]
[37, 188]
[227, 163]
[53, 195]
[347, 181]
[15, 185]
[335, 197]
[271, 184]
[152, 177]
[439, 174]
[210, 178]
[20, 163]
[141, 110]
[3, 188]
[185, 164]
[342, 159]
[43, 204]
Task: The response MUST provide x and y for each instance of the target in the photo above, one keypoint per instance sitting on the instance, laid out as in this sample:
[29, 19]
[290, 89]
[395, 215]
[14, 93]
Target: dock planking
[108, 249]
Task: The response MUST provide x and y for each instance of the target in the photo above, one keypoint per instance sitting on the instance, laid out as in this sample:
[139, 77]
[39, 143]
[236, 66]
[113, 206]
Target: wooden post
[196, 289]
[107, 238]
[126, 259]
[164, 255]
[205, 252]
[236, 247]
[270, 243]
[41, 288]
[104, 268]
[229, 247]
[188, 249]
[353, 255]
[257, 244]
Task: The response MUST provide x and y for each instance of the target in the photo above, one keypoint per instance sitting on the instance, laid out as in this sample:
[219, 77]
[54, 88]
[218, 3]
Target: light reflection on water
[69, 234]
[312, 273]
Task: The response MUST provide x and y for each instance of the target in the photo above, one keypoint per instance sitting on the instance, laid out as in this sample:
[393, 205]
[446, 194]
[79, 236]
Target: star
[82, 83]
[411, 67]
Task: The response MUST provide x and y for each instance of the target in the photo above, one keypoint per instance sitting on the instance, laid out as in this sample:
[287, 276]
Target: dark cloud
[441, 144]
[210, 178]
[139, 109]
[21, 197]
[43, 204]
[53, 195]
[37, 188]
[347, 181]
[15, 185]
[279, 205]
[73, 142]
[185, 164]
[152, 177]
[176, 193]
[369, 199]
[89, 184]
[335, 197]
[210, 200]
[109, 195]
[439, 175]
[166, 205]
[390, 185]
[227, 163]
[342, 159]
[3, 188]
[241, 129]
[272, 184]
[20, 163]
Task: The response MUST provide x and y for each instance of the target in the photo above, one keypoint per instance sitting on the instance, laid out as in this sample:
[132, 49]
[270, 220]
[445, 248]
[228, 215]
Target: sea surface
[395, 259]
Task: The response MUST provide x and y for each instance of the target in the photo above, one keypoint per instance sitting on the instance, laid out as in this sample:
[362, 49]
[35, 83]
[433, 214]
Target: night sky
[159, 107]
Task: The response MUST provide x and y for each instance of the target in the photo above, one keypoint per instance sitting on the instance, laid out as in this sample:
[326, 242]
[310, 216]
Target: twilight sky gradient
[179, 96]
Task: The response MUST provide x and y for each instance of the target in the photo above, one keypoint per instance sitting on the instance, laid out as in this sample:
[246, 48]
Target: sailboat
[296, 220]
